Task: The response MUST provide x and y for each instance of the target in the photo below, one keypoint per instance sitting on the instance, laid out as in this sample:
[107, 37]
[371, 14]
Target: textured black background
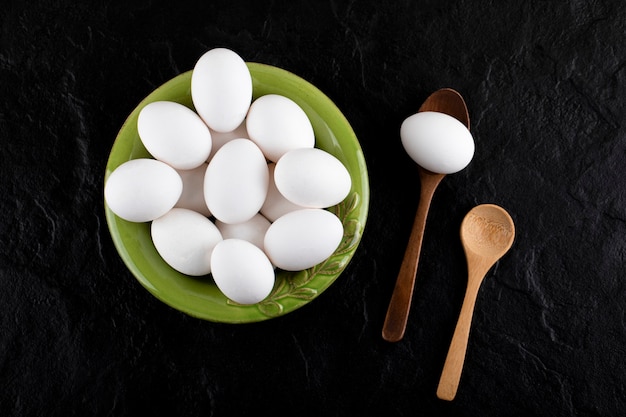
[545, 83]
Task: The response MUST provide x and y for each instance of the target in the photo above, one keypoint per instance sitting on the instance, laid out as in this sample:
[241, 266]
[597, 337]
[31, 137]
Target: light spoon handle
[453, 367]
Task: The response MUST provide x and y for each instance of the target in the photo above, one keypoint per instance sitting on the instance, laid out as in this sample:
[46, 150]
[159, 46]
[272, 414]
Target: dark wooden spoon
[448, 101]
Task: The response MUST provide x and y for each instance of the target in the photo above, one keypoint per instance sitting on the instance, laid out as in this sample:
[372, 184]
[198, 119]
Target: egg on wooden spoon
[437, 142]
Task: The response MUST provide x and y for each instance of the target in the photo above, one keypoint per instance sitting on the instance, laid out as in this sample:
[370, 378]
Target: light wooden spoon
[450, 102]
[487, 233]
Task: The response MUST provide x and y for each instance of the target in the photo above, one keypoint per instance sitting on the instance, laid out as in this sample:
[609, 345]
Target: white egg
[277, 124]
[252, 230]
[192, 197]
[236, 181]
[276, 204]
[221, 89]
[174, 134]
[220, 138]
[302, 239]
[185, 240]
[242, 271]
[312, 177]
[437, 142]
[140, 190]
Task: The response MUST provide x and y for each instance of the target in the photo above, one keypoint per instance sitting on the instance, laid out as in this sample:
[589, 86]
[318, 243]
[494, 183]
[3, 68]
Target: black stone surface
[545, 83]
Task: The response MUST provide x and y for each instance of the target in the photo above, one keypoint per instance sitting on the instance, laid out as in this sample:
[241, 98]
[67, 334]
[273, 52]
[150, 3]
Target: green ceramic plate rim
[199, 297]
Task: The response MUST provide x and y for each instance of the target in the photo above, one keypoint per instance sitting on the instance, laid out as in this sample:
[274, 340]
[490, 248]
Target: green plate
[199, 297]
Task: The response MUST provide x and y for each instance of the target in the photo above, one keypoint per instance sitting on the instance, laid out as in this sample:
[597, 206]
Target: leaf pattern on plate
[293, 285]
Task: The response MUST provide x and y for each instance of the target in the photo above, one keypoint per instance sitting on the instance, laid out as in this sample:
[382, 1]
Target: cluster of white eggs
[236, 188]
